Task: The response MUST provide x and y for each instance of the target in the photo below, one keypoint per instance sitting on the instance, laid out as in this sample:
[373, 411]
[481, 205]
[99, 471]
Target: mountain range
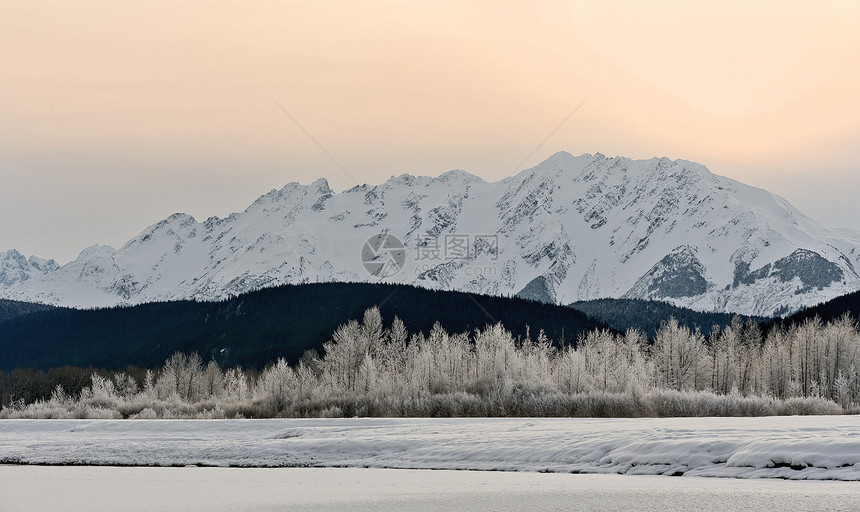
[573, 228]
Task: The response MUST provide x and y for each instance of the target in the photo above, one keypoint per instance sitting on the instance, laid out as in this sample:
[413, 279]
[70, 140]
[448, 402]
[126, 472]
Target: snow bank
[821, 447]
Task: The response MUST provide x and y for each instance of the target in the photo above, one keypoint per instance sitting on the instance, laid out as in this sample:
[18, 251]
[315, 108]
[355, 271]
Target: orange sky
[115, 114]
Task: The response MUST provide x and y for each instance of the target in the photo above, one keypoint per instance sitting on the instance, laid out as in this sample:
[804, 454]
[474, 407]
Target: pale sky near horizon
[113, 115]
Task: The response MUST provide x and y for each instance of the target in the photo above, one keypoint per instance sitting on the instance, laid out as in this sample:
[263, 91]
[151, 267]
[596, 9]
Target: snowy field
[108, 489]
[796, 447]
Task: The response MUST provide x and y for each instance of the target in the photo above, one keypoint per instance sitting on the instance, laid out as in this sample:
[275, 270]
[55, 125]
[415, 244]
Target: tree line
[372, 369]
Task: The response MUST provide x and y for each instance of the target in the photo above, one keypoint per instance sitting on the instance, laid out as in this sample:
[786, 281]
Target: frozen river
[385, 464]
[797, 447]
[96, 489]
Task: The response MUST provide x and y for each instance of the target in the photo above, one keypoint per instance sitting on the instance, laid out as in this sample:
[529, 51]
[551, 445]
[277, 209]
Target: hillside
[254, 329]
[12, 308]
[648, 316]
[830, 310]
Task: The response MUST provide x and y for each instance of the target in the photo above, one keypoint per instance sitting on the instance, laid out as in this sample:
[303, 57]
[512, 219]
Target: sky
[113, 115]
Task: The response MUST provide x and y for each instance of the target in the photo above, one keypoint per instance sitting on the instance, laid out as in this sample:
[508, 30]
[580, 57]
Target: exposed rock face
[813, 271]
[538, 290]
[678, 275]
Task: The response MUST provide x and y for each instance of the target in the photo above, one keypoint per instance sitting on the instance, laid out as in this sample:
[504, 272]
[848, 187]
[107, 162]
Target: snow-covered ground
[798, 447]
[107, 489]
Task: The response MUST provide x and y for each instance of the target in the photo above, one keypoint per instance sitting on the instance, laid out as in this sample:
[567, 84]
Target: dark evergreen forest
[648, 316]
[257, 328]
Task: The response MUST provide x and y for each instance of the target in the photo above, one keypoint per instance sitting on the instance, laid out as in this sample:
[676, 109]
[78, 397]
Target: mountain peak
[458, 176]
[96, 250]
[13, 254]
[16, 268]
[181, 218]
[321, 186]
[42, 264]
[403, 179]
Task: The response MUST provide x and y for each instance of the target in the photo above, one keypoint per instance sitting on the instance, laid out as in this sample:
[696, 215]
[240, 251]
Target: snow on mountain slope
[572, 228]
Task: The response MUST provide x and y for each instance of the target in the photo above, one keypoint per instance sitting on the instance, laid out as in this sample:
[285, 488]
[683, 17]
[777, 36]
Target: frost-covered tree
[678, 357]
[724, 358]
[277, 381]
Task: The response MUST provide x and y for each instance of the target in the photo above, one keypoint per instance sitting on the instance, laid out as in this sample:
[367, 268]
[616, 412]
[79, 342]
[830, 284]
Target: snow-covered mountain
[572, 228]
